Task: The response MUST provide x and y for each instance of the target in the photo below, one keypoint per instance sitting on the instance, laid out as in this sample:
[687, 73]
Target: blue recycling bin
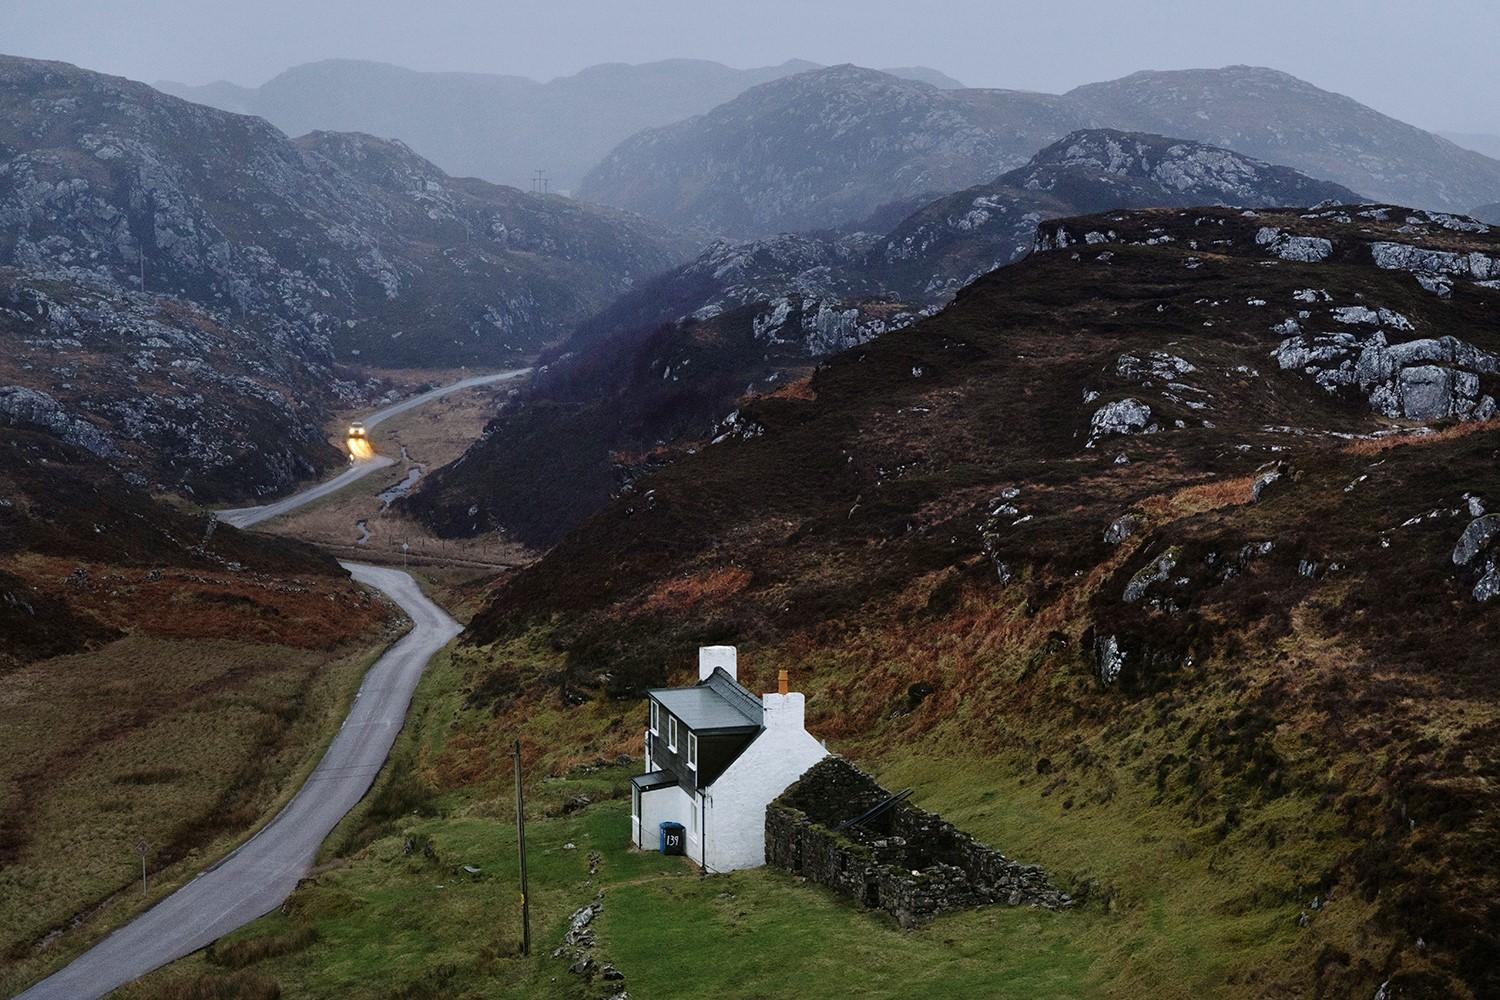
[673, 838]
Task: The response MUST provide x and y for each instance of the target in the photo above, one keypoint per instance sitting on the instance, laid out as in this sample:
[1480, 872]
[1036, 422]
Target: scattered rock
[1123, 527]
[1124, 416]
[1159, 570]
[1264, 479]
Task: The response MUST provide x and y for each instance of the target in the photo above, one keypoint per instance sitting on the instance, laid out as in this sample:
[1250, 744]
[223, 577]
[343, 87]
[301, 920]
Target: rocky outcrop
[27, 407]
[1309, 249]
[908, 862]
[1426, 380]
[1123, 416]
[1477, 556]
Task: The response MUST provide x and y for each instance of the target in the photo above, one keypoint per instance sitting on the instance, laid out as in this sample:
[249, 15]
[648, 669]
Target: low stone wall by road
[909, 862]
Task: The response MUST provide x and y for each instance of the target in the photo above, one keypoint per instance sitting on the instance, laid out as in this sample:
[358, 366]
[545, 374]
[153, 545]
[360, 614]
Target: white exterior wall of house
[734, 807]
[658, 806]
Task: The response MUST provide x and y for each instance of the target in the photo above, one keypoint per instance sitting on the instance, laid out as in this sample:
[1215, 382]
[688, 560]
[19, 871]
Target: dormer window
[672, 733]
[655, 718]
[692, 754]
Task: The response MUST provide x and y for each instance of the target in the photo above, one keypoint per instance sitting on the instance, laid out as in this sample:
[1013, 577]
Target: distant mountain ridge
[822, 149]
[829, 147]
[497, 127]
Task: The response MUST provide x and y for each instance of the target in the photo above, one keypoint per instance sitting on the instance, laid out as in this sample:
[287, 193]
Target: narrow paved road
[244, 517]
[260, 874]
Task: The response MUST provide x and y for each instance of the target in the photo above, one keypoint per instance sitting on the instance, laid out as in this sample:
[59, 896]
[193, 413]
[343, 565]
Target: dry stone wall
[909, 862]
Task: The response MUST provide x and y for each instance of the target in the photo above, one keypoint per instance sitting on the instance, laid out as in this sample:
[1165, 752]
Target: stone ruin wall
[911, 863]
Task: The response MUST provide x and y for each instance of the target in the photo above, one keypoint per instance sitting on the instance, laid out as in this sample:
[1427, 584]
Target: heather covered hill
[661, 369]
[1202, 562]
[828, 148]
[329, 242]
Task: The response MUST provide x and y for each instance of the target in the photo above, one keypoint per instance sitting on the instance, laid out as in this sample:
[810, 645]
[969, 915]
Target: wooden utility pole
[142, 848]
[521, 841]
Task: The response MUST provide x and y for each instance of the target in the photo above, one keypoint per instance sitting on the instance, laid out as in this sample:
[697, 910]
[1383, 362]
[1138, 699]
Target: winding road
[244, 517]
[257, 876]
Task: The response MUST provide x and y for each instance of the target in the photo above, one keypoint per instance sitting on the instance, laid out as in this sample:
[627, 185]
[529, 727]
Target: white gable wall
[733, 814]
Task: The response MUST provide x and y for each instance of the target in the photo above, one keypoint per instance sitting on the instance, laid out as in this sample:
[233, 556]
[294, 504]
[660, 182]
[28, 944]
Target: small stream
[402, 488]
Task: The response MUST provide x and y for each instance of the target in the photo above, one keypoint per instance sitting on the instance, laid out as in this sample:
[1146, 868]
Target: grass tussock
[240, 986]
[237, 954]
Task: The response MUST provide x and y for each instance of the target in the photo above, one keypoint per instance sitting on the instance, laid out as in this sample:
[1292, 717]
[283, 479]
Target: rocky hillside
[1212, 544]
[500, 128]
[829, 147]
[1273, 115]
[663, 367]
[948, 243]
[177, 398]
[330, 242]
[822, 149]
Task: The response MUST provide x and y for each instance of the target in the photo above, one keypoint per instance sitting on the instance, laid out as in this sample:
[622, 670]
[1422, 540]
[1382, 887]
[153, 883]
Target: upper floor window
[671, 732]
[692, 756]
[655, 717]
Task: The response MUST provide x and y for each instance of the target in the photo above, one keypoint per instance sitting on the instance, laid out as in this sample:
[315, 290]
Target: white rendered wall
[658, 806]
[735, 811]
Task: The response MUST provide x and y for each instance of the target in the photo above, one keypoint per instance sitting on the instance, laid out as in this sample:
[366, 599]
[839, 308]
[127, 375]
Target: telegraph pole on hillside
[142, 848]
[521, 841]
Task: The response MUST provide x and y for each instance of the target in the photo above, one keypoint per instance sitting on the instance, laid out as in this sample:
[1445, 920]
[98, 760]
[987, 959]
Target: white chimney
[783, 711]
[716, 656]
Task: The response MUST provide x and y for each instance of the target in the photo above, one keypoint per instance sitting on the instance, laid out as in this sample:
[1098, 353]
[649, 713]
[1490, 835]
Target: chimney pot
[782, 687]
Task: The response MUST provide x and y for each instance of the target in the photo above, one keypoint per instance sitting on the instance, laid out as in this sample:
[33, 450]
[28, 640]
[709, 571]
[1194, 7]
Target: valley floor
[358, 522]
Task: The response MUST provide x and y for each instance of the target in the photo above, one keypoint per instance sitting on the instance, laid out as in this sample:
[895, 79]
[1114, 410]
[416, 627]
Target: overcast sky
[1429, 62]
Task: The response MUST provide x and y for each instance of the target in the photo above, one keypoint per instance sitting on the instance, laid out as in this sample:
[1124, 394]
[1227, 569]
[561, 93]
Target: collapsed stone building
[838, 827]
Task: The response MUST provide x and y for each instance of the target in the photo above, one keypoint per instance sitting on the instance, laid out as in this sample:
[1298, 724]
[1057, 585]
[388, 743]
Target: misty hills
[659, 370]
[822, 149]
[1277, 117]
[501, 128]
[269, 264]
[829, 147]
[339, 239]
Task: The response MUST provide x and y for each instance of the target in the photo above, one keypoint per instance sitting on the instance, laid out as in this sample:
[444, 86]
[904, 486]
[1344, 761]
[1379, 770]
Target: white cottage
[716, 755]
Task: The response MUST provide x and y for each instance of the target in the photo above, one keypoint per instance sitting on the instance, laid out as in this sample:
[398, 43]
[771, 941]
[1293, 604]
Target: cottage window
[693, 822]
[655, 718]
[672, 733]
[692, 758]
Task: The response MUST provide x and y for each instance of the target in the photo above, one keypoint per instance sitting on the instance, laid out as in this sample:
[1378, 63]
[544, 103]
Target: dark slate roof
[654, 780]
[716, 703]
